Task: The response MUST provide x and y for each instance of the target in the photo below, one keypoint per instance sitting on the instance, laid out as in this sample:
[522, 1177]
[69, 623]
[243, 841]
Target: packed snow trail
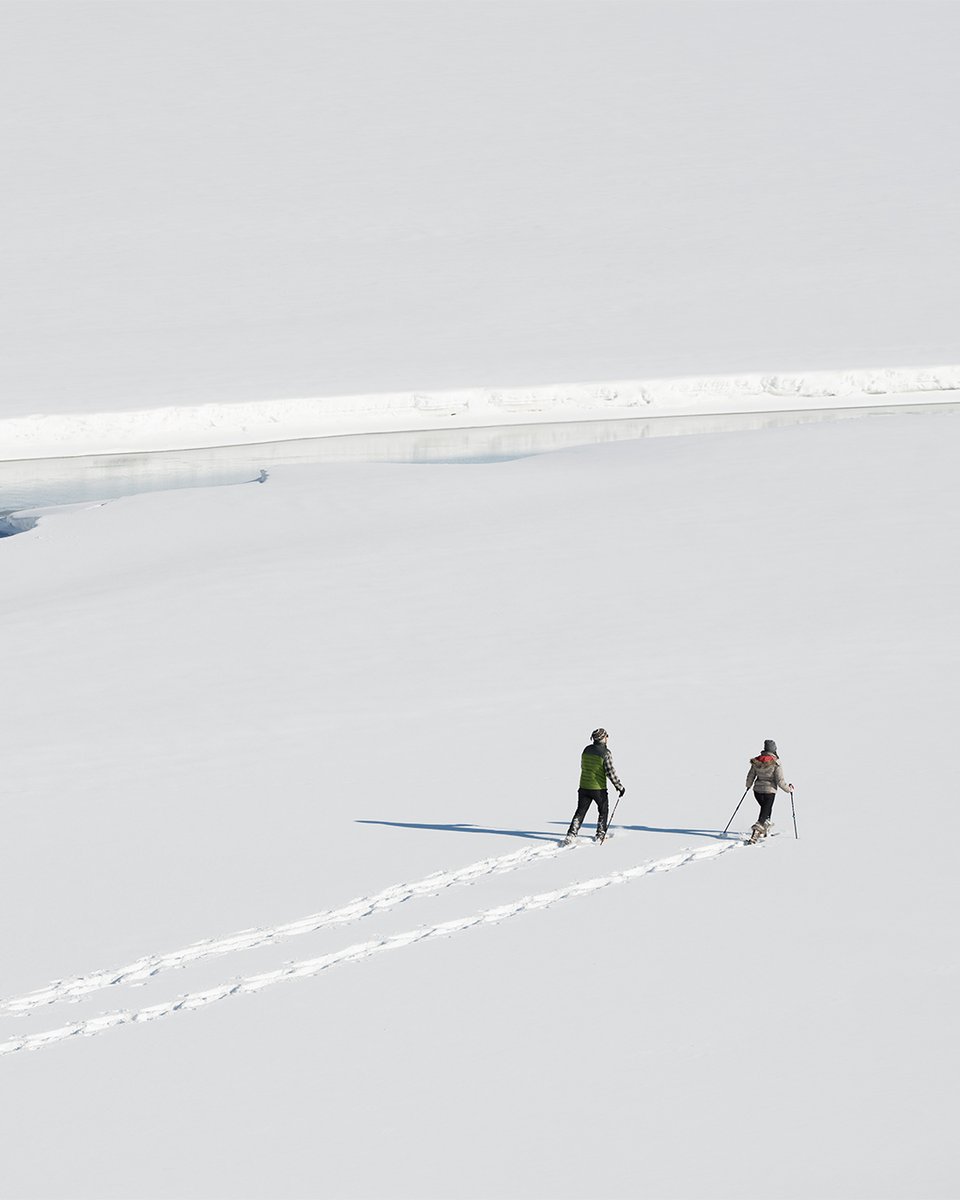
[308, 968]
[249, 939]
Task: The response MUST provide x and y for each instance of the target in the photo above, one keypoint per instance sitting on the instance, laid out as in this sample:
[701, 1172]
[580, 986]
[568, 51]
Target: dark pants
[765, 800]
[586, 797]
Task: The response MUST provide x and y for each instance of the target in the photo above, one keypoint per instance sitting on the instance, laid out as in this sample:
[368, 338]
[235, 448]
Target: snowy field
[287, 765]
[213, 203]
[248, 708]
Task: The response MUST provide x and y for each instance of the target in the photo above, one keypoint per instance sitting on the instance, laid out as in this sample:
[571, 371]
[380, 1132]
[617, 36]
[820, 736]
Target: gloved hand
[621, 791]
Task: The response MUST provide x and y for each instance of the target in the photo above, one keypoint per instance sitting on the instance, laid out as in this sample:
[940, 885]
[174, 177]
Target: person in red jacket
[766, 775]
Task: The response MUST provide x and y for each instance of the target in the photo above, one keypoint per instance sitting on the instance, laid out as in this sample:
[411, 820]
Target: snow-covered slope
[213, 203]
[285, 766]
[341, 713]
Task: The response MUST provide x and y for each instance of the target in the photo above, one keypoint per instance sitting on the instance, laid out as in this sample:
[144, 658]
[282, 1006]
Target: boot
[755, 833]
[572, 832]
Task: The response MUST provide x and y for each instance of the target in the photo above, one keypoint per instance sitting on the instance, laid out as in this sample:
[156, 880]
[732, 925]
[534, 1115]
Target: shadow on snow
[718, 834]
[463, 827]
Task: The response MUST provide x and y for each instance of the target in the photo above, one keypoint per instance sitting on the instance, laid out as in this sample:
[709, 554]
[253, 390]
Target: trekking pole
[737, 809]
[794, 812]
[613, 814]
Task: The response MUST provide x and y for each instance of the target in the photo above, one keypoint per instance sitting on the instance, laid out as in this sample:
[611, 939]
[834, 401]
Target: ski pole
[794, 812]
[737, 809]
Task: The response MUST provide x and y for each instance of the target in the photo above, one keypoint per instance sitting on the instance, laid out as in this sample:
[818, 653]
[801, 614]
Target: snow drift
[184, 427]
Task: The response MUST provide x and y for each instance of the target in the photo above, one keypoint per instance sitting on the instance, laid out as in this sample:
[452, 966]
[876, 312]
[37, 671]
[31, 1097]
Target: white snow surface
[257, 737]
[217, 204]
[208, 425]
[263, 735]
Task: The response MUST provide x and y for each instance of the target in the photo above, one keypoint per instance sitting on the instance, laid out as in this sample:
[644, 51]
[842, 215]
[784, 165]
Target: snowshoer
[596, 767]
[766, 775]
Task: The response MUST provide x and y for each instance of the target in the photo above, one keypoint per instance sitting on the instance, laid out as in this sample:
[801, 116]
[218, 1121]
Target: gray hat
[769, 746]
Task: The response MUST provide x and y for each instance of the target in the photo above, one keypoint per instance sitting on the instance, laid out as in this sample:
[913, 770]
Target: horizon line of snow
[147, 966]
[185, 427]
[308, 968]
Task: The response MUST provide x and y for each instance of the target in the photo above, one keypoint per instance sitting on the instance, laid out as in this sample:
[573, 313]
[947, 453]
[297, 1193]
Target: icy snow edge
[188, 427]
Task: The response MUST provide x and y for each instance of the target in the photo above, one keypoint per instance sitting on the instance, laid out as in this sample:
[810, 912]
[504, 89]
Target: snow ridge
[144, 968]
[307, 968]
[207, 425]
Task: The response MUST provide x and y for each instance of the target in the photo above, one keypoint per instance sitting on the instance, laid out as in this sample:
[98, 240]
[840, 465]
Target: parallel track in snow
[307, 968]
[150, 965]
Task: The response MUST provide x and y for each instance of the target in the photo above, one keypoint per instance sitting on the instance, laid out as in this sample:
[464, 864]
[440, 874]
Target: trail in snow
[248, 939]
[307, 968]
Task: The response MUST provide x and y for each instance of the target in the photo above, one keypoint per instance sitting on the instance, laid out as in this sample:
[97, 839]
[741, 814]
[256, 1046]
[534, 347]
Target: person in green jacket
[596, 767]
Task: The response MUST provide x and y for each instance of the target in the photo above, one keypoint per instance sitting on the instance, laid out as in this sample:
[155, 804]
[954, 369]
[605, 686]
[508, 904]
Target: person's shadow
[707, 833]
[465, 828]
[535, 835]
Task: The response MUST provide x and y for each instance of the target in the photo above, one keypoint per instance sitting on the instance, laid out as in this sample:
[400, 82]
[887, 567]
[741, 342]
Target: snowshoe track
[307, 968]
[249, 939]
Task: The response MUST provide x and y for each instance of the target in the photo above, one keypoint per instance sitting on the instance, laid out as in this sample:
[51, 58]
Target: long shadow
[709, 833]
[464, 828]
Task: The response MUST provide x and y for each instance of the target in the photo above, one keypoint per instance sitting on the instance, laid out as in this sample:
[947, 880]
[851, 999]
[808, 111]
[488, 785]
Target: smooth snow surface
[217, 203]
[260, 733]
[30, 485]
[260, 736]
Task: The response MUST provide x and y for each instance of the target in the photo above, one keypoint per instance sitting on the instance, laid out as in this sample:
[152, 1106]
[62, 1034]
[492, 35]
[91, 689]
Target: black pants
[765, 800]
[586, 797]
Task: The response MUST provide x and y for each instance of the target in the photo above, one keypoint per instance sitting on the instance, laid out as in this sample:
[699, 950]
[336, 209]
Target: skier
[766, 775]
[596, 767]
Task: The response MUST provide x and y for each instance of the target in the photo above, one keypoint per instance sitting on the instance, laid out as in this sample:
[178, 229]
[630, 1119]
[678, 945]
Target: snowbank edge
[180, 427]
